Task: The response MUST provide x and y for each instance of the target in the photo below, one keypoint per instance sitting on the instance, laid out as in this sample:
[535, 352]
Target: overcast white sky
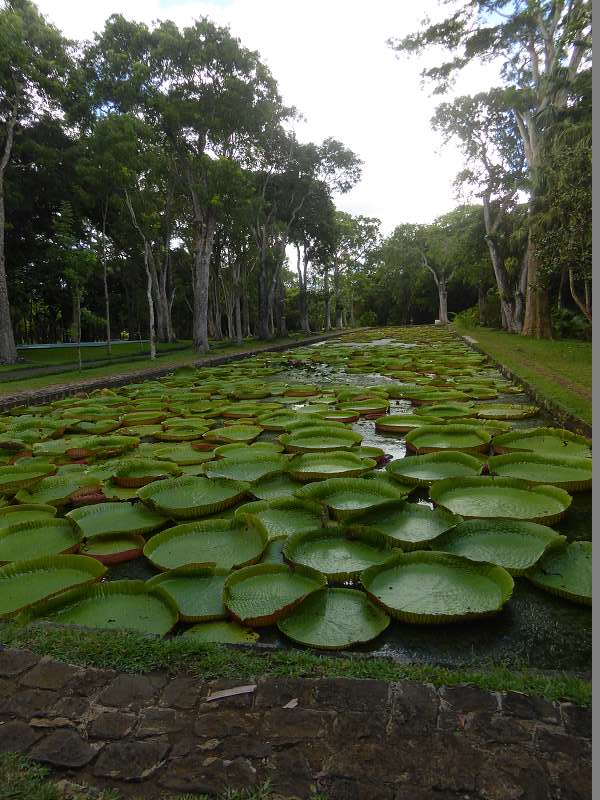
[331, 61]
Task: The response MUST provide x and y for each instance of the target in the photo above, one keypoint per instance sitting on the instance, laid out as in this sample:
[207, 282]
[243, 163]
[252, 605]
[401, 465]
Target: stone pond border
[153, 735]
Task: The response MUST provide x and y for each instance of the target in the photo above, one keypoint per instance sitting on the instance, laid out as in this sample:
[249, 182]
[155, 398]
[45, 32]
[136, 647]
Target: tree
[543, 45]
[33, 66]
[488, 136]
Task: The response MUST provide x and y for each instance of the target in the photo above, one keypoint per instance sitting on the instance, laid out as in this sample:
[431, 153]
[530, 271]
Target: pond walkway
[157, 736]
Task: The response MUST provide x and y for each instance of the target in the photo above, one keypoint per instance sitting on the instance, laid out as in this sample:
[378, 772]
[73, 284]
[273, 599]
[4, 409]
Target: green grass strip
[131, 652]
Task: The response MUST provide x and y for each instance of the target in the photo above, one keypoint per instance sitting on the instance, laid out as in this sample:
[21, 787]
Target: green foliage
[368, 319]
[569, 325]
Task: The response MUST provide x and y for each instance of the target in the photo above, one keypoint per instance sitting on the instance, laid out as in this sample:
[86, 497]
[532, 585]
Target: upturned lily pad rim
[77, 483]
[35, 524]
[84, 564]
[240, 575]
[394, 468]
[530, 458]
[448, 484]
[306, 440]
[189, 571]
[472, 527]
[370, 537]
[78, 515]
[503, 443]
[504, 411]
[403, 423]
[250, 512]
[323, 491]
[500, 576]
[79, 594]
[412, 438]
[201, 526]
[287, 624]
[361, 522]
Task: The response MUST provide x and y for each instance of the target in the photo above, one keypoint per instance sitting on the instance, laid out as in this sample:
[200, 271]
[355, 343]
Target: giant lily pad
[506, 411]
[58, 490]
[243, 450]
[403, 423]
[332, 464]
[512, 544]
[13, 515]
[217, 542]
[114, 549]
[431, 587]
[283, 517]
[136, 473]
[347, 497]
[334, 619]
[249, 469]
[23, 583]
[566, 572]
[190, 496]
[448, 410]
[196, 591]
[319, 438]
[501, 497]
[262, 594]
[115, 605]
[221, 633]
[234, 433]
[433, 438]
[424, 470]
[341, 555]
[33, 539]
[274, 486]
[181, 454]
[573, 474]
[407, 525]
[102, 519]
[23, 475]
[544, 441]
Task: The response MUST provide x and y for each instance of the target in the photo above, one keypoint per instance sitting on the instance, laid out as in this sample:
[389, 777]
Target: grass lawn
[123, 366]
[132, 652]
[560, 369]
[55, 356]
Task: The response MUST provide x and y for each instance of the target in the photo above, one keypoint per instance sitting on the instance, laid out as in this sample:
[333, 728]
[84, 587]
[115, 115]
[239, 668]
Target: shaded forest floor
[560, 369]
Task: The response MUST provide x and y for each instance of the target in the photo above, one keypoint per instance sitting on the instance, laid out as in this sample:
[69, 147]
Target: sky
[332, 63]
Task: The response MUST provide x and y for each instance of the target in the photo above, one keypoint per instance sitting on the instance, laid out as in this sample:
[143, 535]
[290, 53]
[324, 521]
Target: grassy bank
[561, 369]
[131, 652]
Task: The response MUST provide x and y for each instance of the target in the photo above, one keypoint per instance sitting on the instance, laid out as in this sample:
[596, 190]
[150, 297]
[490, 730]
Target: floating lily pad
[250, 469]
[22, 476]
[23, 583]
[512, 544]
[566, 572]
[108, 519]
[544, 441]
[274, 486]
[190, 497]
[347, 497]
[13, 515]
[448, 410]
[114, 549]
[58, 490]
[332, 464]
[283, 517]
[403, 423]
[262, 594]
[196, 591]
[432, 587]
[573, 474]
[136, 473]
[433, 438]
[319, 438]
[424, 470]
[181, 454]
[334, 619]
[507, 411]
[222, 633]
[341, 555]
[407, 525]
[115, 605]
[501, 497]
[243, 450]
[213, 542]
[36, 538]
[234, 433]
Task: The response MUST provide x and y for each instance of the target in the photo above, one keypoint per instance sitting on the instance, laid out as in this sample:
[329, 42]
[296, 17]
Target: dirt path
[153, 736]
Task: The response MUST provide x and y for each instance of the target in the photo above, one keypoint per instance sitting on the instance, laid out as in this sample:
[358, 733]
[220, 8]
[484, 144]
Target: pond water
[535, 629]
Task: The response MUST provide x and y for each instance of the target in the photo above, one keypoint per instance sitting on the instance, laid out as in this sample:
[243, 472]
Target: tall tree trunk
[282, 329]
[537, 304]
[505, 290]
[150, 302]
[560, 296]
[443, 301]
[327, 302]
[302, 271]
[77, 315]
[583, 305]
[8, 350]
[105, 278]
[263, 330]
[481, 303]
[336, 293]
